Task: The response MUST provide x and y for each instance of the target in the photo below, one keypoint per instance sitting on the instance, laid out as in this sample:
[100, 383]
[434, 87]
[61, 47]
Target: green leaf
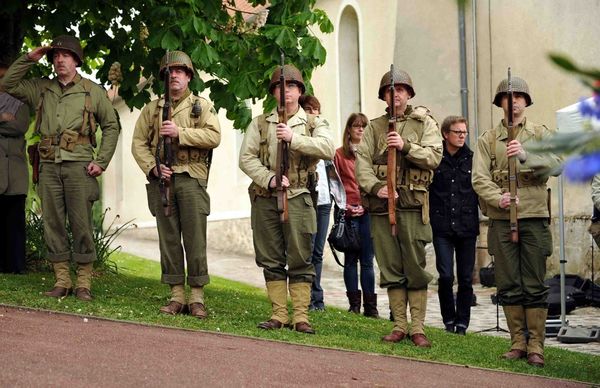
[170, 41]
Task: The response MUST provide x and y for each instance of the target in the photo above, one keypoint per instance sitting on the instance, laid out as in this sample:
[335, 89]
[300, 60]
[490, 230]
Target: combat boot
[354, 301]
[196, 306]
[176, 304]
[398, 299]
[370, 305]
[63, 286]
[300, 294]
[536, 325]
[515, 319]
[84, 281]
[417, 300]
[277, 292]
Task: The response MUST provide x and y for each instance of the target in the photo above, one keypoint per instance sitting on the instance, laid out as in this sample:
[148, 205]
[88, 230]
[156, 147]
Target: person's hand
[284, 132]
[395, 140]
[94, 170]
[285, 183]
[383, 193]
[504, 201]
[356, 210]
[169, 129]
[166, 172]
[37, 53]
[515, 148]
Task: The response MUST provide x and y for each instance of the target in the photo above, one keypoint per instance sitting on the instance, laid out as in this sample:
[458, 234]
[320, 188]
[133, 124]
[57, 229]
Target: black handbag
[487, 276]
[343, 237]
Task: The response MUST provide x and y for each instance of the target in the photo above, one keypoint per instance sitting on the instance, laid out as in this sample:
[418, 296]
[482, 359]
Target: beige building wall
[423, 39]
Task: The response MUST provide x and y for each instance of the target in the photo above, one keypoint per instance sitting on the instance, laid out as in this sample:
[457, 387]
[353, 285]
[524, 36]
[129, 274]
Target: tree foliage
[238, 57]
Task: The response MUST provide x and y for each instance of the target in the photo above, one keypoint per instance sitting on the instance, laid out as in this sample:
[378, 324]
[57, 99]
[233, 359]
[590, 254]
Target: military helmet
[400, 77]
[176, 58]
[291, 74]
[66, 42]
[518, 86]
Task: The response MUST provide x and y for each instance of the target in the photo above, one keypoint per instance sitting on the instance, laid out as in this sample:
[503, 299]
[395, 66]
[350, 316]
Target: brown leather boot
[420, 340]
[514, 354]
[83, 294]
[173, 308]
[394, 336]
[535, 359]
[58, 292]
[304, 327]
[271, 324]
[197, 310]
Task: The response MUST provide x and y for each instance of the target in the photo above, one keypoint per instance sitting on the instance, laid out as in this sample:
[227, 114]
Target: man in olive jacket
[401, 258]
[520, 268]
[68, 108]
[283, 250]
[14, 180]
[194, 131]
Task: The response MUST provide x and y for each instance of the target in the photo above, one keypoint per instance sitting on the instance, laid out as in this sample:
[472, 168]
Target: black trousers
[12, 233]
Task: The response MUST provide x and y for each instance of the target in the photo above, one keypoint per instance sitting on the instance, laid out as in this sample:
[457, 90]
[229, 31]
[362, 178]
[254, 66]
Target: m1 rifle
[512, 167]
[391, 156]
[282, 152]
[164, 185]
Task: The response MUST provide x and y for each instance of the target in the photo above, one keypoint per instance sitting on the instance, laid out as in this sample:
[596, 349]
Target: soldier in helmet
[194, 131]
[68, 109]
[418, 145]
[283, 250]
[520, 267]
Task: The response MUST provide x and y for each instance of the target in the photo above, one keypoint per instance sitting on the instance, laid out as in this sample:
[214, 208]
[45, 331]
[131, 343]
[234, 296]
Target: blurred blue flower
[590, 107]
[582, 168]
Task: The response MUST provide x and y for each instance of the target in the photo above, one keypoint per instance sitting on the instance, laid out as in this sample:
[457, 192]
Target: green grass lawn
[135, 294]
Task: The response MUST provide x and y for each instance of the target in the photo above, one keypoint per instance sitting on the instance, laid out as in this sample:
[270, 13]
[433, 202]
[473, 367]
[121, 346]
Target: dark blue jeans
[319, 238]
[455, 313]
[365, 256]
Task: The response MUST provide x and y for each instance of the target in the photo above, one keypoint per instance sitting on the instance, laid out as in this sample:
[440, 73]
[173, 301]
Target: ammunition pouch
[255, 190]
[525, 178]
[187, 155]
[69, 139]
[47, 147]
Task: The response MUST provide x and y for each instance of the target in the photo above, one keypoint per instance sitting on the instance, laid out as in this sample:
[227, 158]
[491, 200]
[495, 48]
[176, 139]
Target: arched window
[349, 64]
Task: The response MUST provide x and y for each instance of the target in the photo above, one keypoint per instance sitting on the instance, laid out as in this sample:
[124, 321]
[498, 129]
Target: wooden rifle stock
[512, 168]
[164, 185]
[391, 157]
[282, 152]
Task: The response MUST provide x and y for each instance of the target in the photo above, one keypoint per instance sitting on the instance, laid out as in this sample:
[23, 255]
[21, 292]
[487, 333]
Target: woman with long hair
[358, 218]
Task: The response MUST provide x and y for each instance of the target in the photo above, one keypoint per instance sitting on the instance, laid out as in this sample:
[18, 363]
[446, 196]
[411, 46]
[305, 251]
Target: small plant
[36, 252]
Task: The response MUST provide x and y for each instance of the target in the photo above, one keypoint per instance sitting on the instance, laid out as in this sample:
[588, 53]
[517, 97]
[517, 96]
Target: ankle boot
[300, 295]
[354, 300]
[370, 305]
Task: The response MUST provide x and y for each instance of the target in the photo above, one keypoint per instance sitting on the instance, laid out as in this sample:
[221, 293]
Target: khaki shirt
[422, 146]
[196, 136]
[63, 110]
[315, 147]
[532, 199]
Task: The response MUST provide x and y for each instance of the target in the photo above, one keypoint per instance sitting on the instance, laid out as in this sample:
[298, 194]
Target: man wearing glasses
[455, 224]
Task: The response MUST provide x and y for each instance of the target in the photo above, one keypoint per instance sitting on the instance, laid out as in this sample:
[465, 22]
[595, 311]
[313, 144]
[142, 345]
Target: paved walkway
[144, 243]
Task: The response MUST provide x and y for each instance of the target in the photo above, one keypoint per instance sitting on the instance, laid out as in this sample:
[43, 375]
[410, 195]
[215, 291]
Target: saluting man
[68, 107]
[194, 131]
